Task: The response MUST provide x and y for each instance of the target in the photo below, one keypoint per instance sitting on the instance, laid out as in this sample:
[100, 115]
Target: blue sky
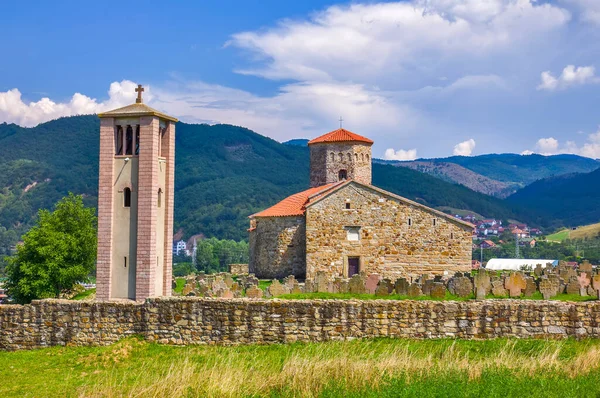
[423, 78]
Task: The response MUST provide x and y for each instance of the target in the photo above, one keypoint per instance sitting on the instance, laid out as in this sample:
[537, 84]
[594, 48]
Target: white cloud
[589, 10]
[400, 154]
[570, 76]
[551, 146]
[13, 109]
[464, 148]
[376, 42]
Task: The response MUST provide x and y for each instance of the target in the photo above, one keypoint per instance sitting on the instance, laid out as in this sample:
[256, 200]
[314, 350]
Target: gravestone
[548, 289]
[414, 290]
[463, 287]
[382, 289]
[498, 288]
[530, 287]
[371, 283]
[389, 284]
[289, 281]
[483, 284]
[277, 289]
[309, 286]
[228, 280]
[538, 270]
[586, 267]
[357, 284]
[584, 281]
[515, 284]
[322, 282]
[254, 292]
[596, 285]
[438, 290]
[401, 286]
[426, 286]
[573, 286]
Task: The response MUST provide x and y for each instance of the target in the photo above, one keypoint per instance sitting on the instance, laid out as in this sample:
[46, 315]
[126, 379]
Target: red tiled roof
[294, 205]
[340, 135]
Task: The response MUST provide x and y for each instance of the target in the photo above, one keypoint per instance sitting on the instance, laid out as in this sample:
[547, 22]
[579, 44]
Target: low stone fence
[191, 320]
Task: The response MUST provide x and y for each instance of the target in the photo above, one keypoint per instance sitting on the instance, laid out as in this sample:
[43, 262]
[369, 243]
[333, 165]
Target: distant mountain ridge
[567, 200]
[499, 175]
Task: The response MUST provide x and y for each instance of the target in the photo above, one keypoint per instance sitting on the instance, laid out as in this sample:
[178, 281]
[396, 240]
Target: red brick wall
[168, 151]
[147, 210]
[105, 208]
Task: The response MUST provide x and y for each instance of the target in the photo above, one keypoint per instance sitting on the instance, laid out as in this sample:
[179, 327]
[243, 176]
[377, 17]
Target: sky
[423, 78]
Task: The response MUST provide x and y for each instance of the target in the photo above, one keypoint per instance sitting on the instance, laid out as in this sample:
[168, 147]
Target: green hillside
[223, 174]
[523, 170]
[568, 200]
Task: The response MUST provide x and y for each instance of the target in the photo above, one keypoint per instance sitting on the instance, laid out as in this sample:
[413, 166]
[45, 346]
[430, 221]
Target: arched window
[119, 141]
[434, 222]
[137, 139]
[332, 157]
[367, 156]
[410, 222]
[349, 157]
[129, 141]
[160, 197]
[127, 197]
[362, 157]
[342, 175]
[341, 155]
[356, 157]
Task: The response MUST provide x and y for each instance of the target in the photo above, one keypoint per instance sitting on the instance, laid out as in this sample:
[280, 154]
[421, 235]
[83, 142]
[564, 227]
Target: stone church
[343, 225]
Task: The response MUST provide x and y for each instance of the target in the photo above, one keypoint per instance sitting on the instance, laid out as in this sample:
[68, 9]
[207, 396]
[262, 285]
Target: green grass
[180, 285]
[84, 295]
[558, 236]
[264, 283]
[359, 368]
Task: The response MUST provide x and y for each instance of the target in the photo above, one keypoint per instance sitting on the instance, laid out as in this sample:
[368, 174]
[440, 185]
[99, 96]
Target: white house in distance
[179, 247]
[515, 264]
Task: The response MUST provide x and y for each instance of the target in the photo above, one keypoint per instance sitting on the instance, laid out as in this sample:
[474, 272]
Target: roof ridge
[340, 135]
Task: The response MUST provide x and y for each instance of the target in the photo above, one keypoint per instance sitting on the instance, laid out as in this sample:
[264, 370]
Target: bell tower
[340, 155]
[135, 202]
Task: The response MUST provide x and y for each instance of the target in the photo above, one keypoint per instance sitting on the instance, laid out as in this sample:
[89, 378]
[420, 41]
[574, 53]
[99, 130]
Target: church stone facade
[343, 225]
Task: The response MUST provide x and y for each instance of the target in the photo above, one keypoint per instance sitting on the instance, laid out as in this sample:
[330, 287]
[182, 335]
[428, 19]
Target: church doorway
[353, 266]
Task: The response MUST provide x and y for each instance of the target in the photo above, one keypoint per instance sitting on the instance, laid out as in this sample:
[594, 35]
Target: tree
[58, 252]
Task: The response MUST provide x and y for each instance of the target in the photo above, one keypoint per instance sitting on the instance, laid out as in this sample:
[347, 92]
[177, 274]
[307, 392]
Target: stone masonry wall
[277, 247]
[327, 159]
[388, 245]
[190, 320]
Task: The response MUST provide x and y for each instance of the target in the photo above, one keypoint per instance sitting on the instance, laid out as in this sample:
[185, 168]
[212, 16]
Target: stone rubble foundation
[192, 320]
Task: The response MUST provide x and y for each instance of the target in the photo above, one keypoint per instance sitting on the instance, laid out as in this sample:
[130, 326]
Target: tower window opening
[160, 192]
[341, 155]
[119, 141]
[348, 206]
[342, 175]
[367, 157]
[434, 222]
[129, 141]
[356, 157]
[410, 222]
[349, 157]
[332, 157]
[137, 139]
[127, 197]
[451, 235]
[362, 157]
[125, 262]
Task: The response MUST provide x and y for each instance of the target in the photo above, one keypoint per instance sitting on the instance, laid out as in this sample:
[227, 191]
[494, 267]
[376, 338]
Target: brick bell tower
[340, 155]
[135, 202]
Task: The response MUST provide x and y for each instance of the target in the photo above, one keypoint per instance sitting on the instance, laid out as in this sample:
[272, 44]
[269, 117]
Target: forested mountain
[223, 174]
[500, 174]
[568, 200]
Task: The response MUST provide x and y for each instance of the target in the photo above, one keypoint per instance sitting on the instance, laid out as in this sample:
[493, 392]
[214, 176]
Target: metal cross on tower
[341, 121]
[139, 90]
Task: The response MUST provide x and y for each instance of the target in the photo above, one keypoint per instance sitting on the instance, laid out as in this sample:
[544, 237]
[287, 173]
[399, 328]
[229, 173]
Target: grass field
[585, 231]
[360, 368]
